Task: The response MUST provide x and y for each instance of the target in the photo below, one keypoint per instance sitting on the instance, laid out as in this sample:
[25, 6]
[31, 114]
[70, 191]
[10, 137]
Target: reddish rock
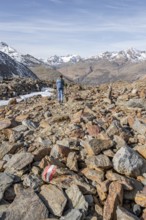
[115, 198]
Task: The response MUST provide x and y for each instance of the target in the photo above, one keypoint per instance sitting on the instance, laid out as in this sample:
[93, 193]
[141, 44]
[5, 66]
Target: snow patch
[46, 92]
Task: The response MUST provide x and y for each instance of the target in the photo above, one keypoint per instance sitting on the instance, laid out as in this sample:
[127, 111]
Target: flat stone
[19, 161]
[54, 199]
[94, 175]
[76, 198]
[20, 128]
[127, 161]
[95, 146]
[100, 161]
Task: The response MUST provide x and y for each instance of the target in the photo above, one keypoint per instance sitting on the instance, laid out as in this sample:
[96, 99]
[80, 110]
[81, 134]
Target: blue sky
[85, 27]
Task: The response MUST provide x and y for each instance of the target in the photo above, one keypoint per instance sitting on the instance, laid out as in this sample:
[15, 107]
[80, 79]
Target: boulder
[26, 205]
[127, 161]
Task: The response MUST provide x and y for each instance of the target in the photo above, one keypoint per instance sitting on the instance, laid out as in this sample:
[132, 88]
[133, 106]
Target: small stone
[72, 162]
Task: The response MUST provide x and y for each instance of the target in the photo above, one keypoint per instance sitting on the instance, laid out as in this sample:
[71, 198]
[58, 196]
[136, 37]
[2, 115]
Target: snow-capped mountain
[131, 55]
[27, 59]
[57, 60]
[9, 68]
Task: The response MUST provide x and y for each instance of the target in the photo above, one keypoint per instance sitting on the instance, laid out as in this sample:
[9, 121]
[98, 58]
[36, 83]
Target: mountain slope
[27, 59]
[102, 71]
[10, 68]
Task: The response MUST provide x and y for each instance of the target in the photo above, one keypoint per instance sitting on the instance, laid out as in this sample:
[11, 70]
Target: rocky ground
[20, 86]
[96, 143]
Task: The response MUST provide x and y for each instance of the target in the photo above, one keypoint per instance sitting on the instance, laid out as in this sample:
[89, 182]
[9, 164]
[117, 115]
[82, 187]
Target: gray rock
[123, 214]
[113, 129]
[127, 161]
[76, 198]
[31, 181]
[19, 161]
[29, 124]
[6, 180]
[75, 214]
[137, 103]
[26, 205]
[139, 127]
[20, 128]
[54, 199]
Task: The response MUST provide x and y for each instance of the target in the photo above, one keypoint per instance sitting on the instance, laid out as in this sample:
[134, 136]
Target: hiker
[60, 88]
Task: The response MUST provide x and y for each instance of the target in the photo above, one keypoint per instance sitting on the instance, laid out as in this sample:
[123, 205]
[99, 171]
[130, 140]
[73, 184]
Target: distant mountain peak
[27, 59]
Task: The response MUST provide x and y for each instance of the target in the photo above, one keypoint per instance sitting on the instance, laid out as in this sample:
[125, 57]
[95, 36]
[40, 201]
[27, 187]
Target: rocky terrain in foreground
[95, 144]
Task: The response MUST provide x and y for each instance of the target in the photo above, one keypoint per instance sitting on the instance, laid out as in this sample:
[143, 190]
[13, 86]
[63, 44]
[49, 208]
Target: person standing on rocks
[60, 88]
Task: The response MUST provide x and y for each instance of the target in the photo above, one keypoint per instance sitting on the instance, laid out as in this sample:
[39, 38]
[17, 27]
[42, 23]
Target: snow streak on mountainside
[27, 59]
[9, 68]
